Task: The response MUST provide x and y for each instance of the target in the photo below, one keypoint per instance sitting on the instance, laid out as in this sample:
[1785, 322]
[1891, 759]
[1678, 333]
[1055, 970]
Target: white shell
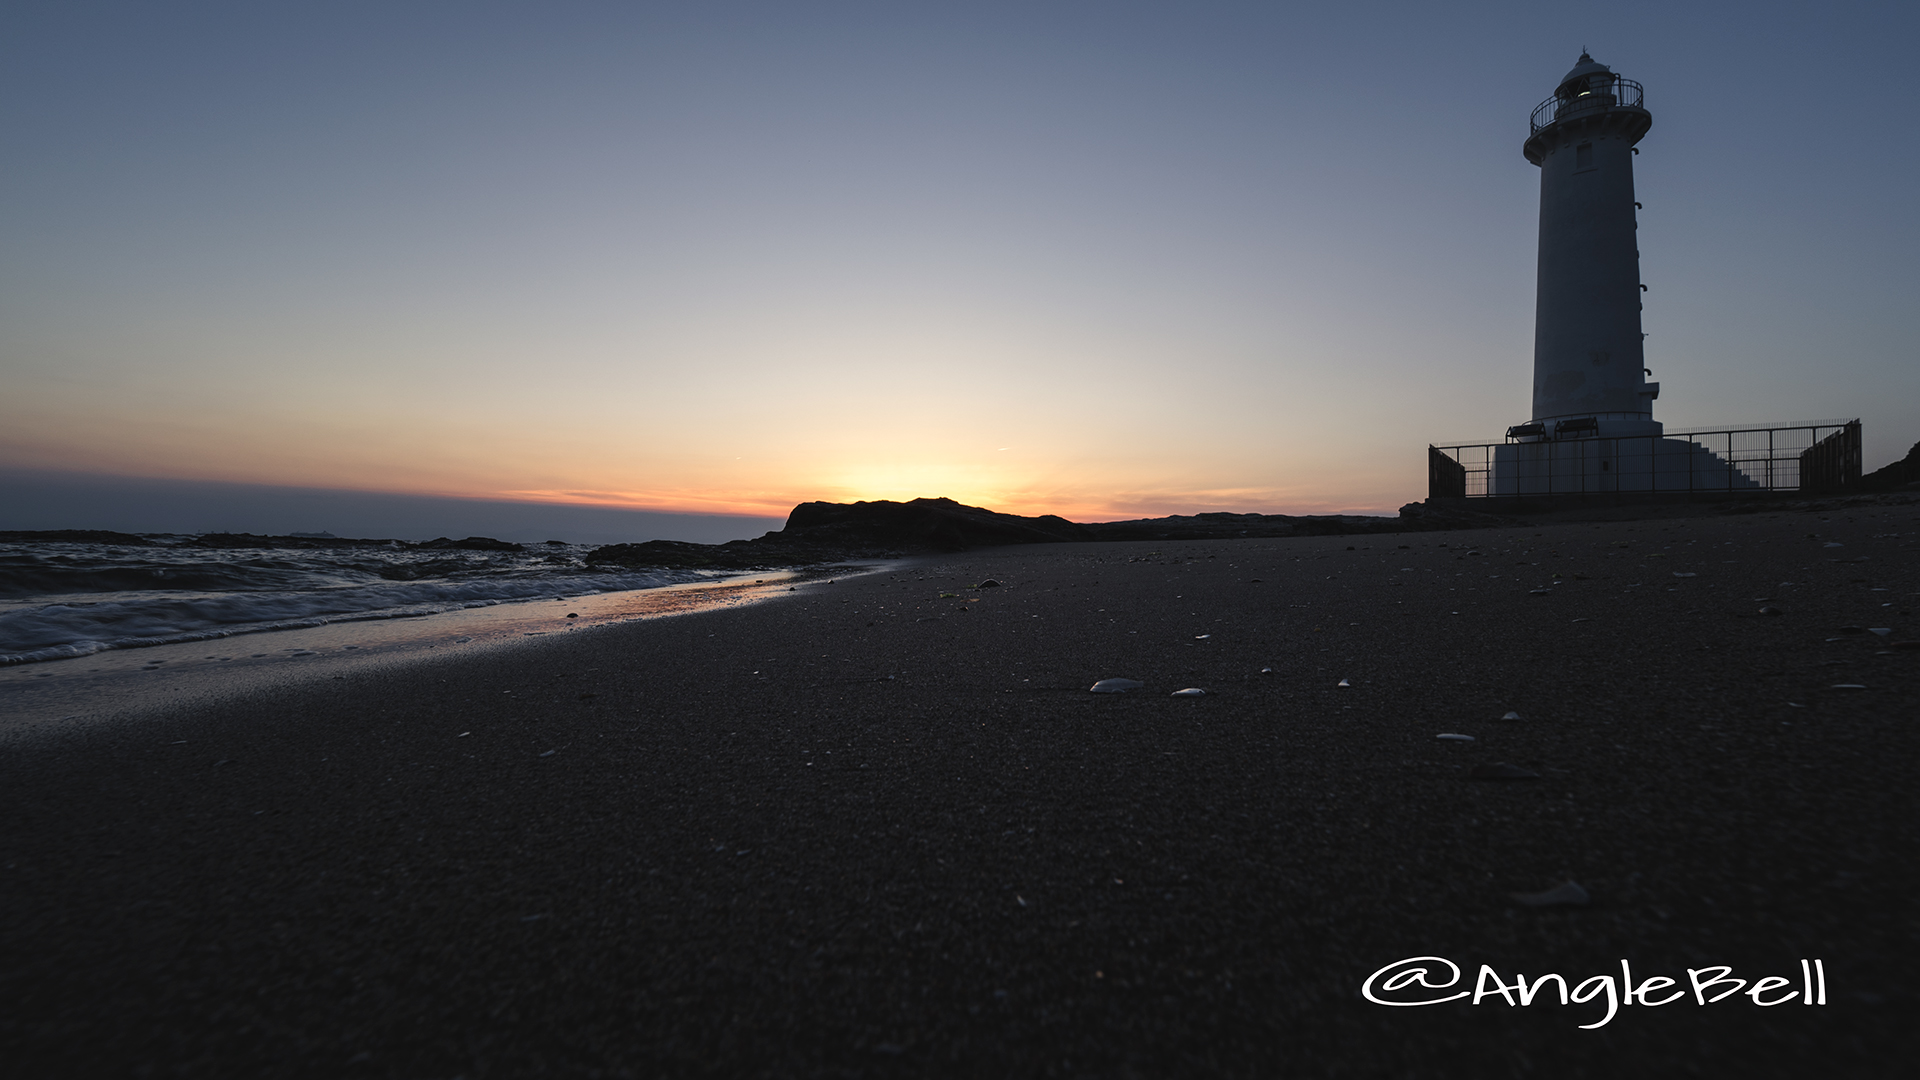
[1116, 686]
[1191, 691]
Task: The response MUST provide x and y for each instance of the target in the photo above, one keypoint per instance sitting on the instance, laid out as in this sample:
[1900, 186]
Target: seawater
[64, 600]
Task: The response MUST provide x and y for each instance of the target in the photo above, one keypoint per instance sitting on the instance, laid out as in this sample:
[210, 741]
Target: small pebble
[1346, 684]
[1769, 610]
[1512, 716]
[1848, 686]
[1191, 691]
[1567, 893]
[1116, 686]
[1454, 738]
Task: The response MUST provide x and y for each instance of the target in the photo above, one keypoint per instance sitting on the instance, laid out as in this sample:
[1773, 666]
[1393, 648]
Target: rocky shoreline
[819, 532]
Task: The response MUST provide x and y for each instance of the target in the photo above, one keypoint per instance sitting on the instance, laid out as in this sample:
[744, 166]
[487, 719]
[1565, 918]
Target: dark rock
[680, 555]
[471, 543]
[249, 540]
[822, 532]
[1895, 476]
[1436, 514]
[924, 524]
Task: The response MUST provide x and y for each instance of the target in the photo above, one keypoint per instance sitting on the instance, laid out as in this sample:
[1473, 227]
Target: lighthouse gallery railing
[1601, 90]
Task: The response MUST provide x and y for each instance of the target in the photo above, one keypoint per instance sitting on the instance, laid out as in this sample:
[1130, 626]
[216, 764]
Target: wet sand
[867, 830]
[104, 686]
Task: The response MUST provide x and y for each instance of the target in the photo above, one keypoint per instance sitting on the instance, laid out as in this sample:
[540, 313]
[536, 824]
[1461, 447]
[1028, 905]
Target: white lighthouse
[1592, 428]
[1589, 373]
[1592, 431]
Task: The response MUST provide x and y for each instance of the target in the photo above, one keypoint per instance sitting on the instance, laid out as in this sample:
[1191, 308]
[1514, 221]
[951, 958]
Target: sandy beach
[881, 827]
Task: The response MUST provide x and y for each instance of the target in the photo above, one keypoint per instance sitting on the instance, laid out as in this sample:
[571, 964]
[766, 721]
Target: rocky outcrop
[1897, 476]
[471, 543]
[924, 524]
[818, 532]
[1448, 514]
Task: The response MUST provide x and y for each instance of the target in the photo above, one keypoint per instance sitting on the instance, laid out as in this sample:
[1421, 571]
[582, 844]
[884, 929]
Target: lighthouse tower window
[1583, 156]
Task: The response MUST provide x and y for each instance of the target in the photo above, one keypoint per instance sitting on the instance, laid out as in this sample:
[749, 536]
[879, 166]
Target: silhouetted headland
[819, 532]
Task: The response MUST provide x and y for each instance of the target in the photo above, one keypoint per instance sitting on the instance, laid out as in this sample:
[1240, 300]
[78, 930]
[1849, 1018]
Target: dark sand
[862, 832]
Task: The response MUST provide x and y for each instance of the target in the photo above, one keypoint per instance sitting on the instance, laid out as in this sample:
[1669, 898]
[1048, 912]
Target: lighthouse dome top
[1587, 66]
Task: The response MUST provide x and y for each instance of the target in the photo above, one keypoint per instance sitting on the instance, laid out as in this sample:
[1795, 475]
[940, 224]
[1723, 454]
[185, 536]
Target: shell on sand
[1116, 686]
[1191, 691]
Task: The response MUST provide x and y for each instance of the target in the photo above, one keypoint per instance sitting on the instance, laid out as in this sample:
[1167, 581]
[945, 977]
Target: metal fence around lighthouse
[1813, 457]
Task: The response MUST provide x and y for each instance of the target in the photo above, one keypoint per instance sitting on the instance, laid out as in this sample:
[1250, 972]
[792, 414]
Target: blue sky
[1107, 260]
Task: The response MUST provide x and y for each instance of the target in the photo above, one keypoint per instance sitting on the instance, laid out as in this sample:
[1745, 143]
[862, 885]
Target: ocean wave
[72, 569]
[70, 628]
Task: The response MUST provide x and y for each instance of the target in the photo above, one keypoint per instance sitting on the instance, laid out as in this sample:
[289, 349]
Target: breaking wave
[70, 600]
